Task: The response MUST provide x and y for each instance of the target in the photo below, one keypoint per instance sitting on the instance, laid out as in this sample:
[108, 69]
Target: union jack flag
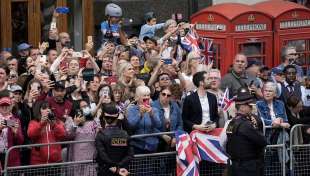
[209, 145]
[226, 101]
[190, 41]
[187, 161]
[206, 45]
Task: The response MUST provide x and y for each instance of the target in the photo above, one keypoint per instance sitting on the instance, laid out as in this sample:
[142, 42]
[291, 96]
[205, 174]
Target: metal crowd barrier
[275, 154]
[162, 163]
[299, 153]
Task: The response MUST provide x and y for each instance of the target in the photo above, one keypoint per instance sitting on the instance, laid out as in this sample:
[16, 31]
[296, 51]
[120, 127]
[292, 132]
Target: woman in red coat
[45, 129]
[10, 132]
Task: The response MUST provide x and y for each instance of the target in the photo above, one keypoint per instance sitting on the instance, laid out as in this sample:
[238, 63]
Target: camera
[79, 113]
[9, 123]
[51, 116]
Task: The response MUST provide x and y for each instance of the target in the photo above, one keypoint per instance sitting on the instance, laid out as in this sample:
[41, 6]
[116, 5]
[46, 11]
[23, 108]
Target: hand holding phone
[210, 124]
[62, 10]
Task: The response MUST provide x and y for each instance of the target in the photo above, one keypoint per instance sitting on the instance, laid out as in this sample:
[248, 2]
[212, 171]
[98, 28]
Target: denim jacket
[264, 111]
[175, 116]
[143, 125]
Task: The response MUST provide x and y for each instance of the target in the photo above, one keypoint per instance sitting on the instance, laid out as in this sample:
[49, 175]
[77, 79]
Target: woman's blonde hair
[189, 58]
[122, 66]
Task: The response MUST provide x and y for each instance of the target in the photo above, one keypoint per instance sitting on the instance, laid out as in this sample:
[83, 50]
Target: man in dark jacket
[200, 108]
[113, 149]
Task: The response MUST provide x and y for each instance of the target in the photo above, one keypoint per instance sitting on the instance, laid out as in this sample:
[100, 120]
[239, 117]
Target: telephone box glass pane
[47, 9]
[216, 49]
[19, 22]
[253, 51]
[303, 51]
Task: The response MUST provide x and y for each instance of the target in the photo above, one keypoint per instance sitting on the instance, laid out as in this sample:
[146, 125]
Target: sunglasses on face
[12, 76]
[164, 78]
[165, 94]
[292, 54]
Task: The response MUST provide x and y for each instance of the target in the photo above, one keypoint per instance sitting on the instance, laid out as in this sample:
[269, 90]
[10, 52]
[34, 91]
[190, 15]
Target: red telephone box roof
[276, 8]
[227, 10]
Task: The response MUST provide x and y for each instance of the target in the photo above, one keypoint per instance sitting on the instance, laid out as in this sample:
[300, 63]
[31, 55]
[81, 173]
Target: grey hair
[141, 91]
[271, 85]
[168, 23]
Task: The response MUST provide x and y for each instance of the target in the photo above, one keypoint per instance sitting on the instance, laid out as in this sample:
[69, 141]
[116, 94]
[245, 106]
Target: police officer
[245, 141]
[112, 143]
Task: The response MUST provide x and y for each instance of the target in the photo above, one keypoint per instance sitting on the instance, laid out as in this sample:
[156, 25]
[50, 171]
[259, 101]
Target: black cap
[110, 108]
[244, 96]
[59, 85]
[277, 71]
[153, 39]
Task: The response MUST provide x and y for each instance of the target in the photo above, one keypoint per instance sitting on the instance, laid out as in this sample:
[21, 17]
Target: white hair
[271, 85]
[141, 91]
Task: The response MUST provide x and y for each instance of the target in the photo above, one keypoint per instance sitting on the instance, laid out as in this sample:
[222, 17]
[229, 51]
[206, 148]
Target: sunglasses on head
[165, 94]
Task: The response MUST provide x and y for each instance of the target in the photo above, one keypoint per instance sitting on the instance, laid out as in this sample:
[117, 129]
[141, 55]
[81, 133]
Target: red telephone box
[235, 28]
[291, 26]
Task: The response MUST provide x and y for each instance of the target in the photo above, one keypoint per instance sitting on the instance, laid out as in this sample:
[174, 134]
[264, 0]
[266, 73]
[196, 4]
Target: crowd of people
[132, 85]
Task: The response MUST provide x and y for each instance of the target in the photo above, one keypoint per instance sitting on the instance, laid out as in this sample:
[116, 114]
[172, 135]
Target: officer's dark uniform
[113, 150]
[245, 142]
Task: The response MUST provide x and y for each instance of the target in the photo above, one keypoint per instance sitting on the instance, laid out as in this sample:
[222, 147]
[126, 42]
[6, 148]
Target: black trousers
[247, 168]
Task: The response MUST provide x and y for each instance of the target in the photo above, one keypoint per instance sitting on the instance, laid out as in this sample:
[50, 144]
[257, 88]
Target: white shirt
[272, 114]
[205, 108]
[167, 114]
[305, 96]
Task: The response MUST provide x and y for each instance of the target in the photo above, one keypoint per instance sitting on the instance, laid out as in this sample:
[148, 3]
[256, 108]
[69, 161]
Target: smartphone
[210, 124]
[79, 113]
[104, 92]
[35, 87]
[64, 64]
[77, 54]
[89, 39]
[62, 10]
[111, 79]
[53, 26]
[9, 123]
[168, 61]
[43, 59]
[251, 83]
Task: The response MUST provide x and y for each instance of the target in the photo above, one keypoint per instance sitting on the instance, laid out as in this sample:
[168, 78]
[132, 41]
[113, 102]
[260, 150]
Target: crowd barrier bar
[172, 153]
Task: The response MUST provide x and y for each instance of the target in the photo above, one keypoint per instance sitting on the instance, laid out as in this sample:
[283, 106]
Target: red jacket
[15, 139]
[60, 109]
[40, 133]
